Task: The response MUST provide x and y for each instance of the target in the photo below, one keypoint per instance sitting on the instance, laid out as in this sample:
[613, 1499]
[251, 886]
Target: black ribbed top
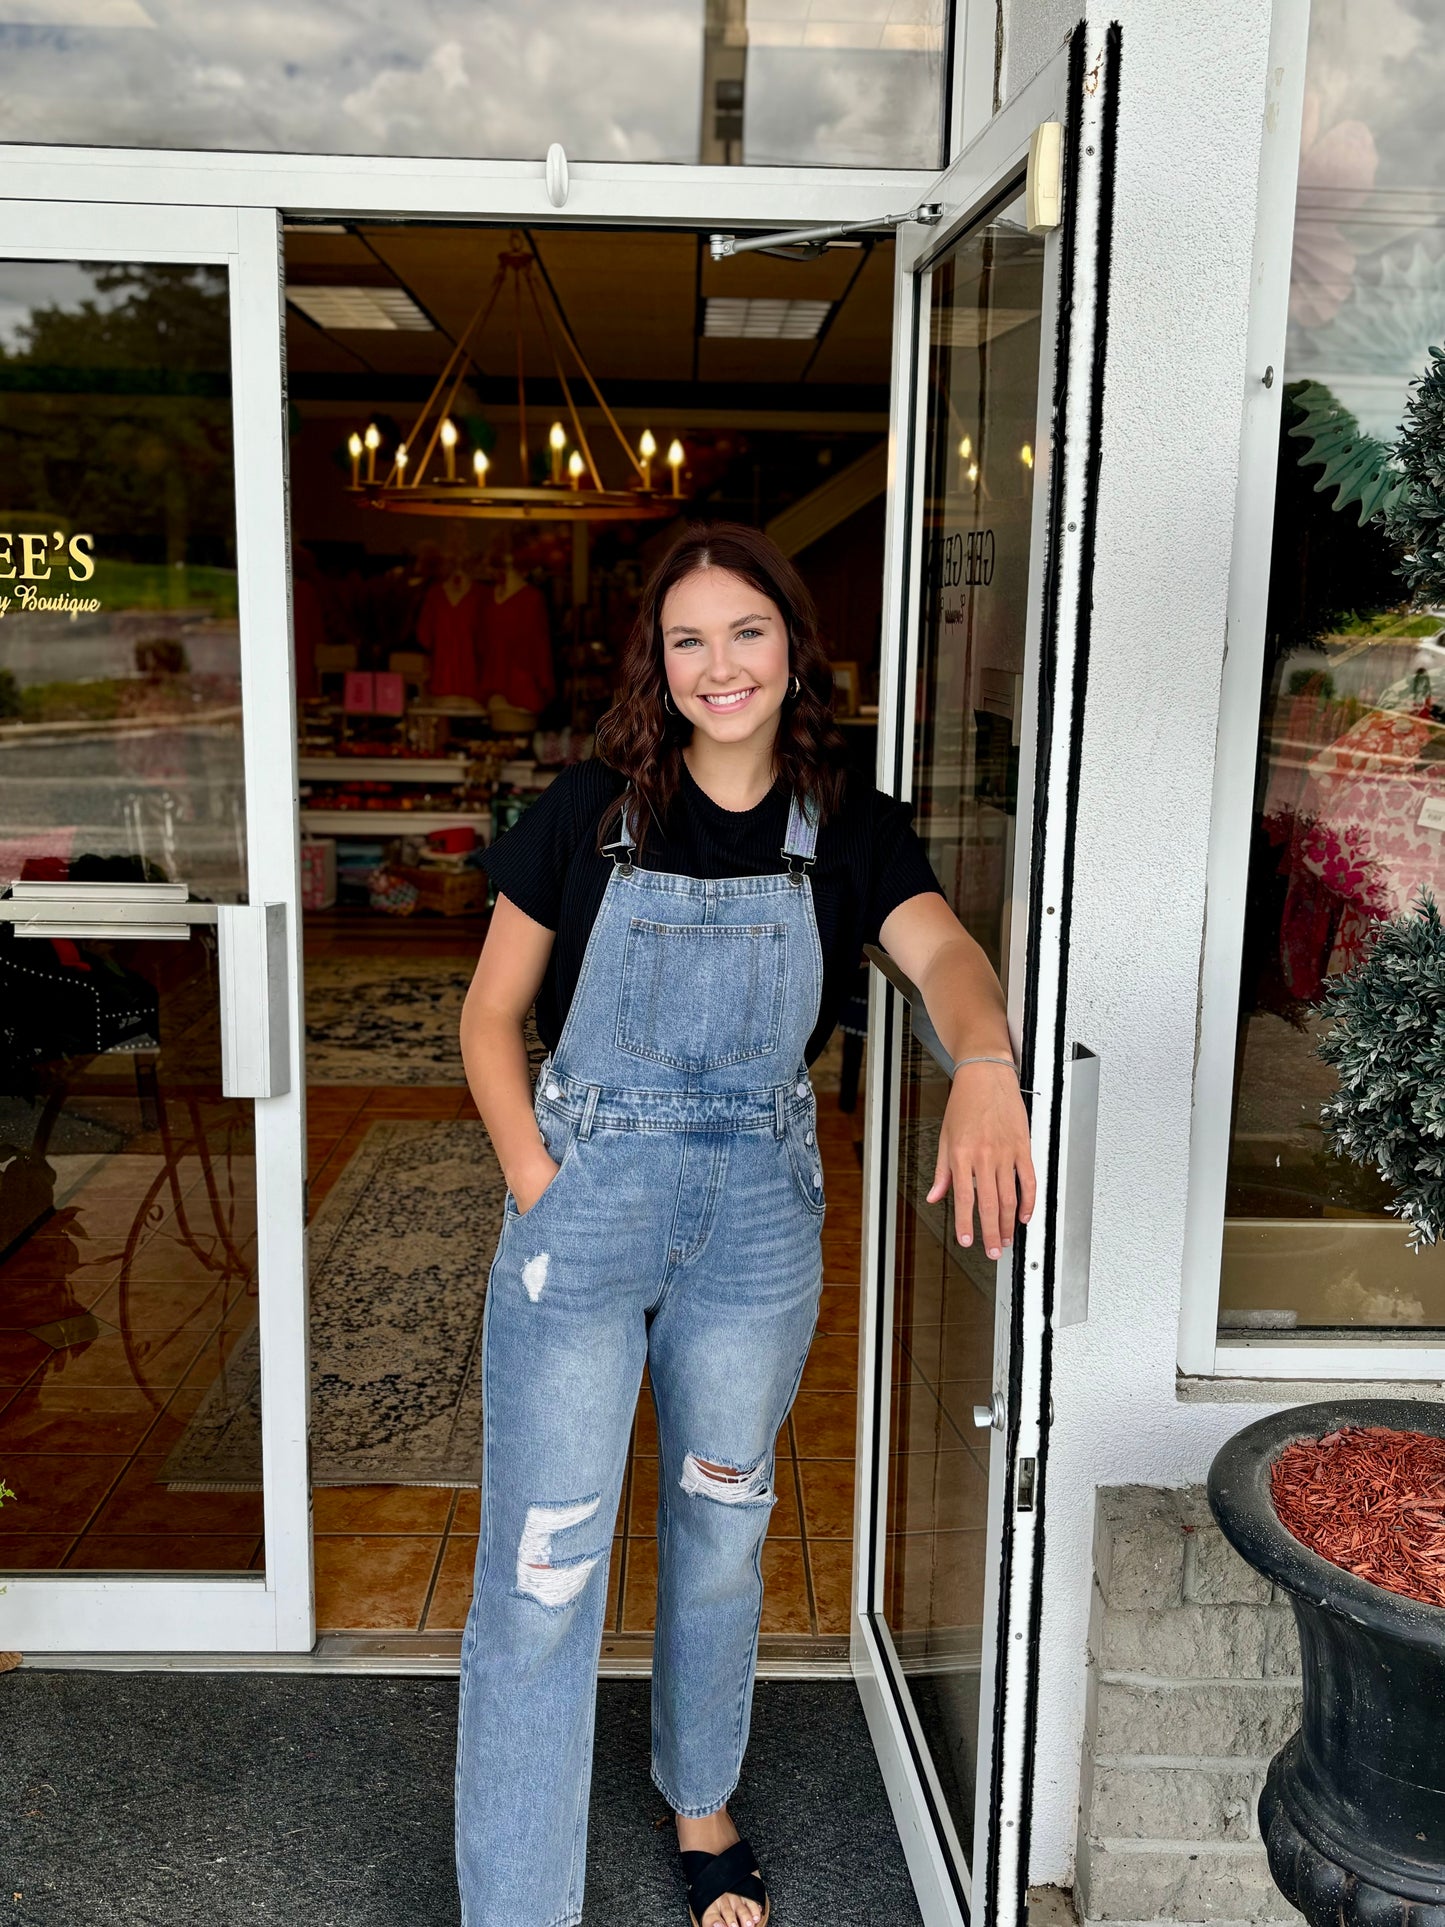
[869, 861]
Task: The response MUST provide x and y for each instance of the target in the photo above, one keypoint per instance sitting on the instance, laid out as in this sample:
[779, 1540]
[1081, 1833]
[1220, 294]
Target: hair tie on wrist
[959, 1064]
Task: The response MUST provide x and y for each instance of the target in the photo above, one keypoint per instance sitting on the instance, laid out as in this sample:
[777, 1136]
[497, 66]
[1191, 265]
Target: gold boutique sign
[30, 561]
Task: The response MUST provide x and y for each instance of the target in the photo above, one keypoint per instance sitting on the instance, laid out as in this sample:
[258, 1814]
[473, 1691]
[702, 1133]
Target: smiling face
[725, 651]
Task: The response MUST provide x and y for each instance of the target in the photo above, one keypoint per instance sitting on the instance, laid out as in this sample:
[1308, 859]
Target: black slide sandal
[711, 1875]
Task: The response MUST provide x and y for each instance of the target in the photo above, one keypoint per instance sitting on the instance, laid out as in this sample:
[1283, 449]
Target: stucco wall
[1192, 99]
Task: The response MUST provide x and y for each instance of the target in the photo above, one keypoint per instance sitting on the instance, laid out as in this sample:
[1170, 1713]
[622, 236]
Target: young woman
[687, 911]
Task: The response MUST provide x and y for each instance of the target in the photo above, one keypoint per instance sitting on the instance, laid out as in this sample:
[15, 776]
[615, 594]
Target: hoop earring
[667, 703]
[796, 690]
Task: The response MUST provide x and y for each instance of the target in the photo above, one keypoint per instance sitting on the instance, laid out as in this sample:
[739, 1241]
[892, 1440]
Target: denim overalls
[682, 1229]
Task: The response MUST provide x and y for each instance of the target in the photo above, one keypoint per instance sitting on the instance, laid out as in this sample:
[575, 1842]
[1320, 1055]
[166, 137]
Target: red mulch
[1371, 1500]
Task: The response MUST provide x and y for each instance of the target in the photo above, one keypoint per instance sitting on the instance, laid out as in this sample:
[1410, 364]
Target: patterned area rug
[374, 1020]
[400, 1250]
[378, 1020]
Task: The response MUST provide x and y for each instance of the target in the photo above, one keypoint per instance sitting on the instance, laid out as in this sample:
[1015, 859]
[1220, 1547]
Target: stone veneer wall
[1193, 1685]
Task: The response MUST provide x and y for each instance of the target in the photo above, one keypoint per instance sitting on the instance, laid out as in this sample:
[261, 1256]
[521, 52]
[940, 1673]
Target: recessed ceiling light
[359, 308]
[741, 318]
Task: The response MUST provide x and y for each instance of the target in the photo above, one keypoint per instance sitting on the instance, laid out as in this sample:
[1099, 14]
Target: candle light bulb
[965, 448]
[353, 449]
[372, 439]
[480, 466]
[1026, 455]
[557, 441]
[973, 473]
[647, 448]
[448, 432]
[675, 458]
[575, 466]
[401, 460]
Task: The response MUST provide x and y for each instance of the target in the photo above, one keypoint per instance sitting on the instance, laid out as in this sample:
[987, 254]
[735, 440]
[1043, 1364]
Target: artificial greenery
[1387, 1044]
[1358, 467]
[1415, 515]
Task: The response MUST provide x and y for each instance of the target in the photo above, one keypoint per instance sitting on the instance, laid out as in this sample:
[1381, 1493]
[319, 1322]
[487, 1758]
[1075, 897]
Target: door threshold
[624, 1656]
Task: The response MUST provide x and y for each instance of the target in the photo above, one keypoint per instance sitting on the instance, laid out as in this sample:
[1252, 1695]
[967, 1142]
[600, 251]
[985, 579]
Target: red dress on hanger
[515, 650]
[449, 629]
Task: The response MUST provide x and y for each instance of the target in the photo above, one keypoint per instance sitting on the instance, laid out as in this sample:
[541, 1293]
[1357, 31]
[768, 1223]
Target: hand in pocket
[534, 1185]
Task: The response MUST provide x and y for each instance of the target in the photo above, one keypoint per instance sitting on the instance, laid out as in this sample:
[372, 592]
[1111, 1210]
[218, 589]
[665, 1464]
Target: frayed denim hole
[727, 1485]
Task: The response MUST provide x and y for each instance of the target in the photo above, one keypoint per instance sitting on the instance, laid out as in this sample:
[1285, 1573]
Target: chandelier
[407, 482]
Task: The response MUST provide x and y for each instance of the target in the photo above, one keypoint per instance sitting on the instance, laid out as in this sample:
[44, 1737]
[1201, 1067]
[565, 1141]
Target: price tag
[1432, 813]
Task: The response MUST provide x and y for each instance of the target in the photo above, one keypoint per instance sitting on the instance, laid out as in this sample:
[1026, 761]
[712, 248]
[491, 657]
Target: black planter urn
[1353, 1810]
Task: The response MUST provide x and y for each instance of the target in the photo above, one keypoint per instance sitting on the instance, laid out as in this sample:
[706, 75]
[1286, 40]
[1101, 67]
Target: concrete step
[1202, 1800]
[1201, 1642]
[1194, 1719]
[1159, 1548]
[1172, 1881]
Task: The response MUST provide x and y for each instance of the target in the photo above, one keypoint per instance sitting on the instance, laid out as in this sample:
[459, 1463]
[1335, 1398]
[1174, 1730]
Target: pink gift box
[389, 693]
[359, 692]
[318, 872]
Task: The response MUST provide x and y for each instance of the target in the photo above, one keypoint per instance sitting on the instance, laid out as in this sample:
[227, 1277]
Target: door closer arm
[809, 242]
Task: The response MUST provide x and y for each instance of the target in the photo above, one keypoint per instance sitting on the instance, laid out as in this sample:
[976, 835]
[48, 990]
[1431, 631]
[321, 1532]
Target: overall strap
[800, 845]
[621, 847]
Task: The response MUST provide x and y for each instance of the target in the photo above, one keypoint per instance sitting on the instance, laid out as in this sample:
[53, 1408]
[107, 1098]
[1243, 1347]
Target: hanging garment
[515, 650]
[1367, 822]
[682, 1230]
[449, 629]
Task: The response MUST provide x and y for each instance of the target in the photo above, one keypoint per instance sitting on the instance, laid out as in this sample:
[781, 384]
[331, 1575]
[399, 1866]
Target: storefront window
[127, 1177]
[1349, 812]
[843, 83]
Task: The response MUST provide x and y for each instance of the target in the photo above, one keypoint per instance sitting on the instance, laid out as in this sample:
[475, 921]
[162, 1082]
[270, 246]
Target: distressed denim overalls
[682, 1229]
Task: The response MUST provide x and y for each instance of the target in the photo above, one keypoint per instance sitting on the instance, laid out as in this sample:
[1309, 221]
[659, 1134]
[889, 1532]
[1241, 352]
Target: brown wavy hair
[644, 740]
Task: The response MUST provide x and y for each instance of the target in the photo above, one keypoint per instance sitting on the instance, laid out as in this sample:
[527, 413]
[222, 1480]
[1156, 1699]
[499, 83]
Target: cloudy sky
[612, 81]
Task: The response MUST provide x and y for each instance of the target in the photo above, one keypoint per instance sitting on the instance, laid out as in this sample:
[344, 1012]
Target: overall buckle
[621, 854]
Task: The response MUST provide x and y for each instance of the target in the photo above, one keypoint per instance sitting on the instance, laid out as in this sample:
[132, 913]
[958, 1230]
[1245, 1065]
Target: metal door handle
[157, 911]
[251, 946]
[993, 1415]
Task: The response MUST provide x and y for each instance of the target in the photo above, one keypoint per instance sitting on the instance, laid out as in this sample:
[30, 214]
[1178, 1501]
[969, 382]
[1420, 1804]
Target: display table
[383, 769]
[368, 824]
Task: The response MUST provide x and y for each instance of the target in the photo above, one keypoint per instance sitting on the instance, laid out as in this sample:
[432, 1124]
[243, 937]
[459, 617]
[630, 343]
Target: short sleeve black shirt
[869, 861]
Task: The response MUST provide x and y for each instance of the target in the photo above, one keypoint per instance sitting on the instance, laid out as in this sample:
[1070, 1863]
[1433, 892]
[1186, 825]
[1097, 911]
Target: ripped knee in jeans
[726, 1484]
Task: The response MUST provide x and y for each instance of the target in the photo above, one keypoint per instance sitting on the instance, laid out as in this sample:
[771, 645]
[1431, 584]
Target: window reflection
[1351, 774]
[803, 82]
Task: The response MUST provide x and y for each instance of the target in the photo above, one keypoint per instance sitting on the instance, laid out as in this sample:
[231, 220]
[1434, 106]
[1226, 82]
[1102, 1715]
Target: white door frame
[1078, 89]
[247, 1612]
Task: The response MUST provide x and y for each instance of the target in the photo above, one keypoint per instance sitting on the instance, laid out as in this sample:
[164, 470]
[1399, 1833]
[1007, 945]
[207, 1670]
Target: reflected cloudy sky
[1368, 288]
[619, 82]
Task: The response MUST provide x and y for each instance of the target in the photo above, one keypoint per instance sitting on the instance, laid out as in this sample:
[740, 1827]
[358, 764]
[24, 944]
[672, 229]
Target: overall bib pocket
[659, 1014]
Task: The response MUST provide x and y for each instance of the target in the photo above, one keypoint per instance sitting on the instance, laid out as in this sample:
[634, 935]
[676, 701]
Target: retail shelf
[373, 823]
[383, 769]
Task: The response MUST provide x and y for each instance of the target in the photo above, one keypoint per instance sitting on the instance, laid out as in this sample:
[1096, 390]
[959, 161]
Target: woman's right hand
[528, 1185]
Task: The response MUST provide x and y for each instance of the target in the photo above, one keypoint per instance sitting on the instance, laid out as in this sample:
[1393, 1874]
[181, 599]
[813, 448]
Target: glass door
[992, 558]
[152, 1329]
